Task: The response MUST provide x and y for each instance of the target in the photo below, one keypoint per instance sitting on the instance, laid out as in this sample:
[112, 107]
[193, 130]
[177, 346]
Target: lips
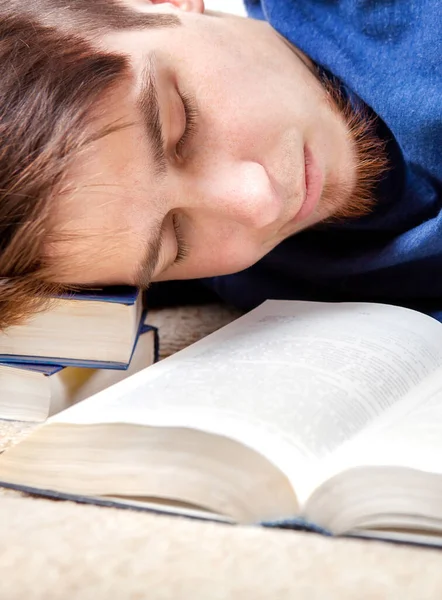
[314, 181]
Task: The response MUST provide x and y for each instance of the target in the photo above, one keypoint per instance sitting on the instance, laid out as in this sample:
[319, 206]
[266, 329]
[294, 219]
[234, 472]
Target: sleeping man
[295, 154]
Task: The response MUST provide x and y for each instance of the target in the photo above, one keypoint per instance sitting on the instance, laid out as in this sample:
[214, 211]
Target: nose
[242, 192]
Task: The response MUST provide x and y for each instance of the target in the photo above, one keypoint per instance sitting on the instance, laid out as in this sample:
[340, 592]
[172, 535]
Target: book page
[293, 380]
[408, 435]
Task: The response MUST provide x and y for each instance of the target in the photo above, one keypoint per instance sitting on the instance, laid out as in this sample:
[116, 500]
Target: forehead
[115, 165]
[108, 204]
[182, 41]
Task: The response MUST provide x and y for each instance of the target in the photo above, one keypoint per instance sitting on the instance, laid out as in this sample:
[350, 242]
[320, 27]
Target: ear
[186, 5]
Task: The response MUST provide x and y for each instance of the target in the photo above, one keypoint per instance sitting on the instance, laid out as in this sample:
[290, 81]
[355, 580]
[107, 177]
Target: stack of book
[84, 343]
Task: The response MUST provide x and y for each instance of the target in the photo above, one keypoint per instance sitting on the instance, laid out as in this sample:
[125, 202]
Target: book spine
[296, 524]
[156, 341]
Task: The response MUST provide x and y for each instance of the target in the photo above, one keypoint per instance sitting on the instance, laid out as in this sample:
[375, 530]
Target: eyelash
[182, 246]
[191, 113]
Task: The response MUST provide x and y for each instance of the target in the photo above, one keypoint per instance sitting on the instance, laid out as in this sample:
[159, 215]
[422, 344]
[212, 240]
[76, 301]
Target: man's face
[246, 150]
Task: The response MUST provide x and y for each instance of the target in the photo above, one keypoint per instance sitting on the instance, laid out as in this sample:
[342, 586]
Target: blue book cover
[116, 294]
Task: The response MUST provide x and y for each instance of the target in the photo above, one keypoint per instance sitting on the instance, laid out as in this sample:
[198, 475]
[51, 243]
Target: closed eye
[191, 115]
[182, 246]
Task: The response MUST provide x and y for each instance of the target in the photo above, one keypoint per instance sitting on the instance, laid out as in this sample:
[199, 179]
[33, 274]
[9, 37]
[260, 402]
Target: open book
[326, 413]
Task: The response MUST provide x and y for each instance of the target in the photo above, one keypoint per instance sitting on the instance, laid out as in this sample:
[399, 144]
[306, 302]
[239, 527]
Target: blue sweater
[389, 54]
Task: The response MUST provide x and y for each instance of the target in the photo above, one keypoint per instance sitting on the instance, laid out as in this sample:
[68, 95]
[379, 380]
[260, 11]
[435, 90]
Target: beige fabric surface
[61, 550]
[180, 327]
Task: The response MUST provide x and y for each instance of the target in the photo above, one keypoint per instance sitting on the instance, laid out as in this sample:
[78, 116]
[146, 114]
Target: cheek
[215, 251]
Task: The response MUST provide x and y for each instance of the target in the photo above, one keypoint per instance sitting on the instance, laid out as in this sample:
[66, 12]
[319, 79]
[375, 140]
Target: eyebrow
[145, 272]
[148, 105]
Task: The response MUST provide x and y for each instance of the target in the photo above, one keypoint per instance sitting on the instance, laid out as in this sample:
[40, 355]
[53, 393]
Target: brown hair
[51, 76]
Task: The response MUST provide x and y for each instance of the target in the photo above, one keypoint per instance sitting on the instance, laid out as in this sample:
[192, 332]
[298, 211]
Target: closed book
[94, 327]
[34, 392]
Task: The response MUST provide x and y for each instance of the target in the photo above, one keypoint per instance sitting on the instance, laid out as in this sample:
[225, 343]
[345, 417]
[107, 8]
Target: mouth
[313, 184]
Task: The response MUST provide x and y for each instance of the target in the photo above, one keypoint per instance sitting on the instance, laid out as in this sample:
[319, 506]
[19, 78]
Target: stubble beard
[351, 201]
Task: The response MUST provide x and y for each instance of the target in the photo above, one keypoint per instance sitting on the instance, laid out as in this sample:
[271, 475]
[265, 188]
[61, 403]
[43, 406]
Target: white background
[234, 6]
